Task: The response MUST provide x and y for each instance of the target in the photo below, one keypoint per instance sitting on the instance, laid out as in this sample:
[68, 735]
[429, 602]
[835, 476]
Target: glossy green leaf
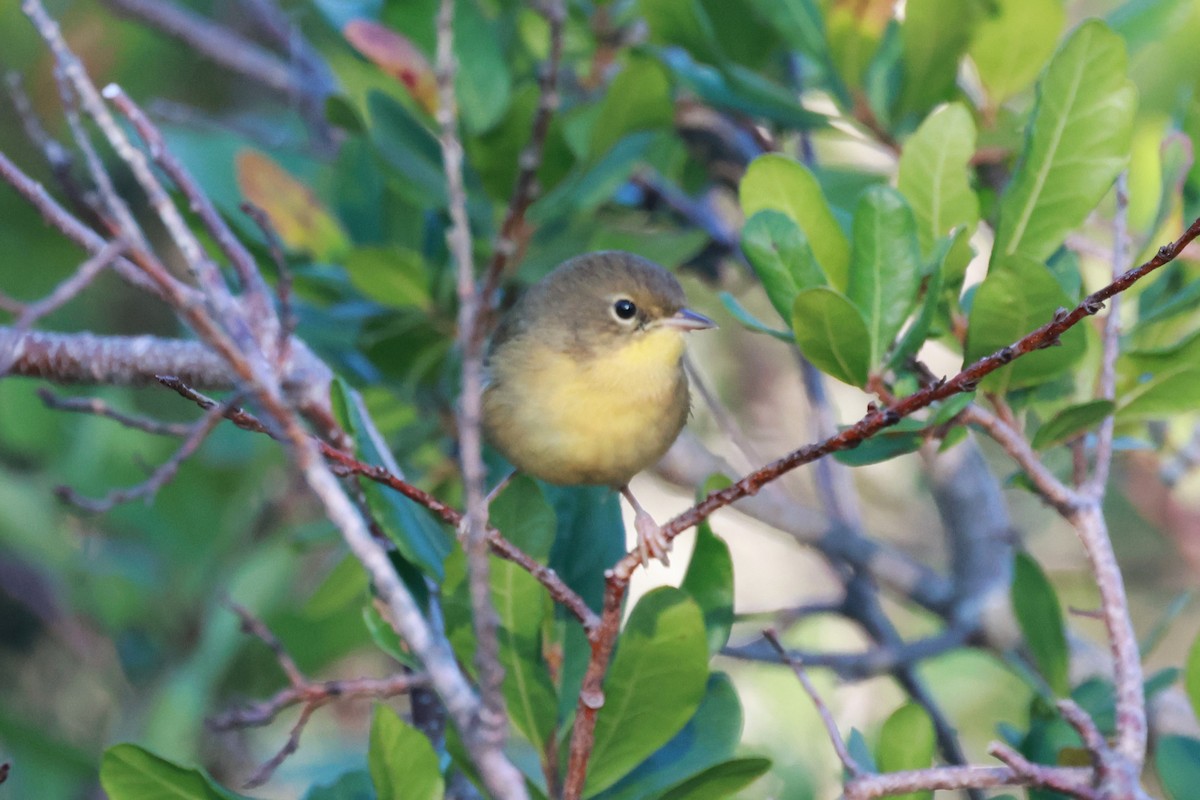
[722, 781]
[402, 762]
[934, 174]
[588, 186]
[1071, 422]
[638, 99]
[419, 539]
[1018, 296]
[780, 183]
[1078, 144]
[710, 737]
[482, 83]
[934, 35]
[907, 741]
[831, 333]
[1013, 42]
[885, 268]
[802, 25]
[395, 277]
[1154, 383]
[127, 772]
[1177, 759]
[654, 686]
[1039, 615]
[751, 322]
[779, 253]
[386, 639]
[709, 580]
[1191, 675]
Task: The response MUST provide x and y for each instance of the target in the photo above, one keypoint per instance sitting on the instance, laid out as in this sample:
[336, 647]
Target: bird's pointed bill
[687, 320]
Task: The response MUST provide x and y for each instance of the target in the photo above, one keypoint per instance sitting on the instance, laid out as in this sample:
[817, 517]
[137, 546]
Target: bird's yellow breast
[597, 419]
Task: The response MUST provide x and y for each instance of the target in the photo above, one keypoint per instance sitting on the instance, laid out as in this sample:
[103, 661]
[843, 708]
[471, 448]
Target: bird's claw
[651, 541]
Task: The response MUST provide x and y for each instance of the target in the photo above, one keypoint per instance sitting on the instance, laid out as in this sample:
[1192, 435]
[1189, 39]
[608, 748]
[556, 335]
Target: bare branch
[94, 405]
[835, 737]
[159, 478]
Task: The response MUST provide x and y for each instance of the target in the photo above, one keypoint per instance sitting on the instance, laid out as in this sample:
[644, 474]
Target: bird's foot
[651, 541]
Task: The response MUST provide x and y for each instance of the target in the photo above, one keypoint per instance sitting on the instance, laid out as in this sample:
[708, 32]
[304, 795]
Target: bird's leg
[651, 542]
[498, 488]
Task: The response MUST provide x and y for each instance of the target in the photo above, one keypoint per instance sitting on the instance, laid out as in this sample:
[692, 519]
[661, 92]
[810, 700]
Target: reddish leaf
[397, 56]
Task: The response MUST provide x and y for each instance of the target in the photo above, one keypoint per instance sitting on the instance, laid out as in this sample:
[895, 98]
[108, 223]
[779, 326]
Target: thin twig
[491, 729]
[835, 737]
[159, 478]
[96, 406]
[287, 314]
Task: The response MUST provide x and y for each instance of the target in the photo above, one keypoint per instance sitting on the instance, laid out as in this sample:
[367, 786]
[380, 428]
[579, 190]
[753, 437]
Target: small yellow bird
[585, 377]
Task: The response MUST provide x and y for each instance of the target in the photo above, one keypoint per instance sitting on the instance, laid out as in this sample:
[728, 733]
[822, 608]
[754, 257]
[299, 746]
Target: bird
[585, 378]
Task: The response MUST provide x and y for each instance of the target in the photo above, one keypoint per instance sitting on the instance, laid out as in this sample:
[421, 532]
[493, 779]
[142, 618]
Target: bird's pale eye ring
[624, 309]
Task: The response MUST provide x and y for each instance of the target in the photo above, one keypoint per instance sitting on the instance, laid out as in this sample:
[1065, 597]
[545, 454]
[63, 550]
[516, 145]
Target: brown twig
[161, 476]
[96, 406]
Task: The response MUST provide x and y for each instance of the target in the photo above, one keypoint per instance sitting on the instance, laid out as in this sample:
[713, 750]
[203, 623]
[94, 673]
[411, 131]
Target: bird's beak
[687, 320]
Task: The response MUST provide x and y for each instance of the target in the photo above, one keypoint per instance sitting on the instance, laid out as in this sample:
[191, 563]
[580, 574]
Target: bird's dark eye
[624, 309]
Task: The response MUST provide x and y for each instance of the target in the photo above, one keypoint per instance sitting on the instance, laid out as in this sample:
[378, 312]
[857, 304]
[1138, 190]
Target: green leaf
[709, 580]
[402, 762]
[779, 253]
[395, 277]
[1191, 675]
[721, 781]
[1010, 46]
[860, 751]
[386, 639]
[482, 83]
[1039, 616]
[654, 686]
[1078, 144]
[418, 538]
[751, 322]
[127, 772]
[1018, 296]
[934, 174]
[1070, 422]
[855, 30]
[638, 99]
[780, 183]
[934, 35]
[802, 24]
[832, 334]
[907, 741]
[1177, 759]
[710, 737]
[885, 269]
